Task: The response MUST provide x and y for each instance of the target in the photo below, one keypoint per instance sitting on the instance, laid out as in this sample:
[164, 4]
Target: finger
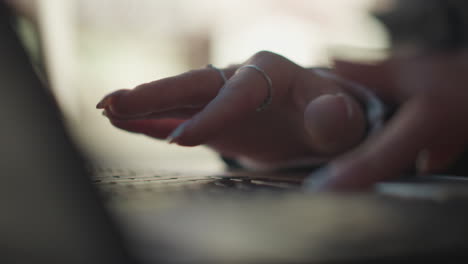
[159, 129]
[239, 99]
[192, 89]
[181, 114]
[440, 156]
[106, 101]
[387, 154]
[379, 77]
[334, 122]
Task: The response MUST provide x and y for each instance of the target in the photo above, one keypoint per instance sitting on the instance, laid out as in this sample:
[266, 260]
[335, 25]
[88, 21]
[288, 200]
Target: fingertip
[334, 178]
[344, 176]
[101, 104]
[185, 139]
[185, 135]
[175, 135]
[318, 180]
[108, 99]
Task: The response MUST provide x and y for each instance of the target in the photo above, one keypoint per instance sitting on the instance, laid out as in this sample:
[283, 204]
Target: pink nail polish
[106, 100]
[102, 104]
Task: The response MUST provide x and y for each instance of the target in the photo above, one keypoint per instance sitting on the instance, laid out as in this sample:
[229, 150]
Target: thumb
[334, 123]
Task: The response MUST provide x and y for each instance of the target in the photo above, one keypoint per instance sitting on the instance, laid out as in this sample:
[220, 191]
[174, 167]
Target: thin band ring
[219, 71]
[269, 97]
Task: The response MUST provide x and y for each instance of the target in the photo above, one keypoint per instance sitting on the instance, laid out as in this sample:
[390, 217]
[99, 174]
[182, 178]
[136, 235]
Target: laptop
[56, 210]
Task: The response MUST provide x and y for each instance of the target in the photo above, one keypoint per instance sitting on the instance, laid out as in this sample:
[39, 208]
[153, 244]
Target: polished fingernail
[101, 104]
[318, 180]
[348, 103]
[106, 100]
[172, 138]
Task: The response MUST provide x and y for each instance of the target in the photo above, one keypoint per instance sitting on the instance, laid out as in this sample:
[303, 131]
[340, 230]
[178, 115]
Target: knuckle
[144, 87]
[189, 75]
[264, 54]
[282, 71]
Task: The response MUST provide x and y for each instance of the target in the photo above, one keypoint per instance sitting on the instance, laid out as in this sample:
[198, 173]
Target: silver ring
[269, 97]
[219, 71]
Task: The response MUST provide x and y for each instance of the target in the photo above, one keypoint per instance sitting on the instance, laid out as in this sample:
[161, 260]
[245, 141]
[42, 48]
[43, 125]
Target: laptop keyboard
[126, 184]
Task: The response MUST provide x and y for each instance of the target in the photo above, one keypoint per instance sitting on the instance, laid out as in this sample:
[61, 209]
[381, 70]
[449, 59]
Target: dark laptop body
[50, 212]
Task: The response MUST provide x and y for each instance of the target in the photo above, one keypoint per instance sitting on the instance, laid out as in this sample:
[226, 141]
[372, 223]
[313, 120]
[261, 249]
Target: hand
[429, 130]
[309, 116]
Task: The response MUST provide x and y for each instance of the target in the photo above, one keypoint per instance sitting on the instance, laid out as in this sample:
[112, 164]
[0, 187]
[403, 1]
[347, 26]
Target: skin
[309, 116]
[429, 128]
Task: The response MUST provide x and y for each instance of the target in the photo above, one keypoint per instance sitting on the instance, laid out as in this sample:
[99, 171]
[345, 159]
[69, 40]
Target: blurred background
[93, 47]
